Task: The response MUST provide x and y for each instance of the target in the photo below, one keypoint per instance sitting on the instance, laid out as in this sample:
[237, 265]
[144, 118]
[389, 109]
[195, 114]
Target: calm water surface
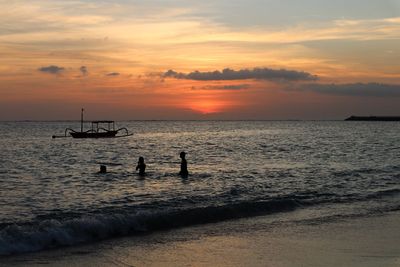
[51, 194]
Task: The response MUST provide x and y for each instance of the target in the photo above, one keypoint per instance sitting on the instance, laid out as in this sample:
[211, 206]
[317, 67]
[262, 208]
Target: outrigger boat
[97, 130]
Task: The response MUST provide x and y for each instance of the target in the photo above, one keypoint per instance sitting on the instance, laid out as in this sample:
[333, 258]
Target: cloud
[354, 89]
[113, 74]
[83, 70]
[244, 74]
[51, 69]
[229, 87]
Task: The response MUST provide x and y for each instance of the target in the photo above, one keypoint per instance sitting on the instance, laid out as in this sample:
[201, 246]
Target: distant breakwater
[373, 118]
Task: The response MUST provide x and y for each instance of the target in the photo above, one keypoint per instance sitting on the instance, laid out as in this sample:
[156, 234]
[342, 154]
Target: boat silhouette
[99, 129]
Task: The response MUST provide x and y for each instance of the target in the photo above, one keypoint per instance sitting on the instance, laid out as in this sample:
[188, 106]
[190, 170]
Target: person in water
[184, 171]
[103, 169]
[141, 166]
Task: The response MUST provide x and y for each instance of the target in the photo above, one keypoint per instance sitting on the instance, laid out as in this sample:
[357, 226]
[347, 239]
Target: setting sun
[209, 106]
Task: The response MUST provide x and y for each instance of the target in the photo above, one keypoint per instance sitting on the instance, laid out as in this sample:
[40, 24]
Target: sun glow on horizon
[208, 106]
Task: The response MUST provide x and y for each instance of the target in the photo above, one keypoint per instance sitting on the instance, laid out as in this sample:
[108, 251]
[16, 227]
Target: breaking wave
[52, 233]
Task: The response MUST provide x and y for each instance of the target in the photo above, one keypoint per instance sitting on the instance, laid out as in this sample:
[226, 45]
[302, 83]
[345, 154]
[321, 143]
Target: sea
[52, 194]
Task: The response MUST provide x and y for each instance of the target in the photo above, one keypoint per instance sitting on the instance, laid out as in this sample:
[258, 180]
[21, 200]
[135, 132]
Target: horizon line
[183, 120]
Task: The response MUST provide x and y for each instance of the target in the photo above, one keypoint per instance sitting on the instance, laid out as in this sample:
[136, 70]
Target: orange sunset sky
[189, 59]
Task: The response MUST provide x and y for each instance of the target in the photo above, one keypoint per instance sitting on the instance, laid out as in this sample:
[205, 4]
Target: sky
[221, 59]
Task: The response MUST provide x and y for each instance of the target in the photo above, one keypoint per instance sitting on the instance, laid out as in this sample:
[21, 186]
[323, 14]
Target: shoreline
[272, 240]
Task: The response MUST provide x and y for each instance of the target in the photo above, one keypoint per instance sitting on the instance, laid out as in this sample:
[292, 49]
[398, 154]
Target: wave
[60, 229]
[384, 193]
[52, 233]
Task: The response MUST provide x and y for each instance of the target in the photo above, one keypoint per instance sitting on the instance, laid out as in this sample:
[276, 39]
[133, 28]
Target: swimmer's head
[141, 160]
[103, 169]
[182, 155]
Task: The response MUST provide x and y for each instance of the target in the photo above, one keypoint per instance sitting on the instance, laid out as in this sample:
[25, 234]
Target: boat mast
[82, 120]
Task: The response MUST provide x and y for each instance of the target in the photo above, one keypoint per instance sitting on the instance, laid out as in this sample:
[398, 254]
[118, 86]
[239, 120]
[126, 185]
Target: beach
[276, 241]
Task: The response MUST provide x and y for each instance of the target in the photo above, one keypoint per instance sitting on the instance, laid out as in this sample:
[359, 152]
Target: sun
[207, 106]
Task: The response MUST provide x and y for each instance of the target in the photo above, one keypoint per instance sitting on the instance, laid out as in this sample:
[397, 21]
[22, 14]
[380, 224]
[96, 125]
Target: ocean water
[51, 194]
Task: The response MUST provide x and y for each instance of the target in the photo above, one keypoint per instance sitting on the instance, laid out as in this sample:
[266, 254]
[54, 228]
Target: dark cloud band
[51, 69]
[244, 74]
[112, 74]
[355, 89]
[229, 87]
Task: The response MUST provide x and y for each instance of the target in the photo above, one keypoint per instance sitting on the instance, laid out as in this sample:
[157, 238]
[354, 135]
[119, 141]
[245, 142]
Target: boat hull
[108, 134]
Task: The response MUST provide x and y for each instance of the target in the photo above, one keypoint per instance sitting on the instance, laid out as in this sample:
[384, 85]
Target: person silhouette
[184, 171]
[141, 166]
[103, 169]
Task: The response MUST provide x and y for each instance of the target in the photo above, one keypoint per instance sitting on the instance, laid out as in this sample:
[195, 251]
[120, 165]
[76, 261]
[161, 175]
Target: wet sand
[277, 241]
